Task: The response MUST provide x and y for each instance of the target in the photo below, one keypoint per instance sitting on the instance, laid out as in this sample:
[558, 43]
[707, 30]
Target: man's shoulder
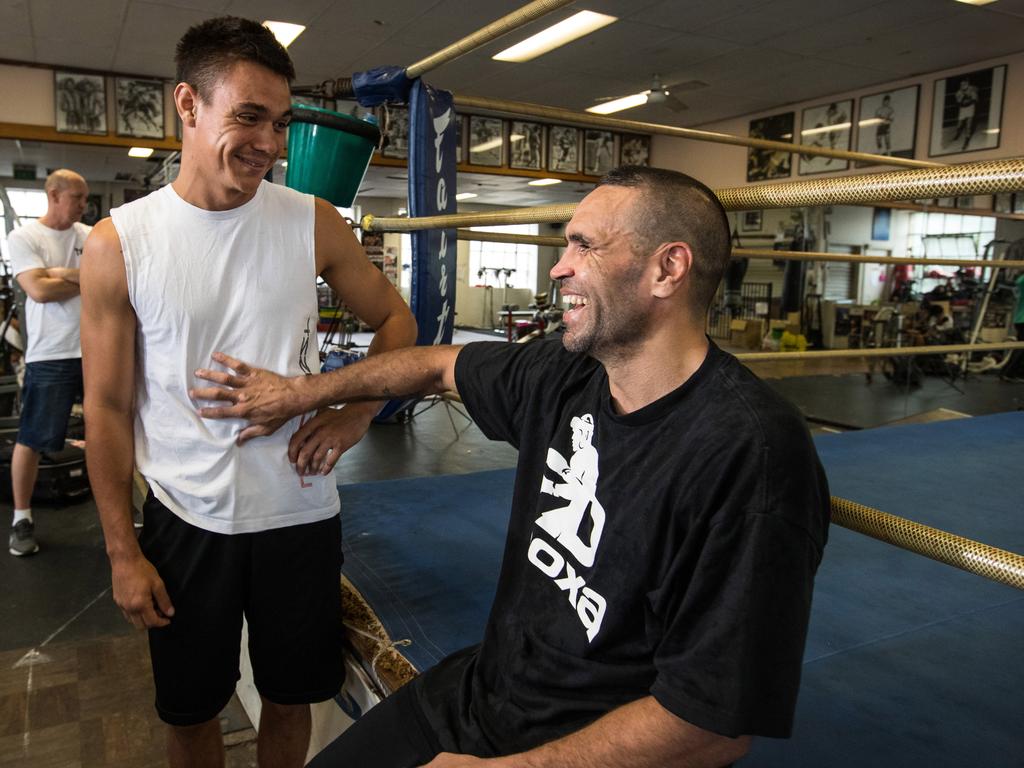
[750, 405]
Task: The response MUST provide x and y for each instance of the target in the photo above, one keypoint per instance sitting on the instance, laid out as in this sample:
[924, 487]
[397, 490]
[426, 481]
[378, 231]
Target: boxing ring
[908, 661]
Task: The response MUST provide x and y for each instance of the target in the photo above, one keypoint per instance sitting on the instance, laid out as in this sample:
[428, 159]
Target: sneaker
[23, 540]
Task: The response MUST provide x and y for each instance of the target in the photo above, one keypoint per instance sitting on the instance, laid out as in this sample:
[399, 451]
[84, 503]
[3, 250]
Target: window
[950, 236]
[484, 258]
[28, 204]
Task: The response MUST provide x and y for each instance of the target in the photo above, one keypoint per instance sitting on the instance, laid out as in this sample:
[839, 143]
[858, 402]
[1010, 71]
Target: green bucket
[328, 153]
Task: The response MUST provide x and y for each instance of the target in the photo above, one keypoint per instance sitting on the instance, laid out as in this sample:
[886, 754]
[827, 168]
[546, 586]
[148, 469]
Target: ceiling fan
[656, 94]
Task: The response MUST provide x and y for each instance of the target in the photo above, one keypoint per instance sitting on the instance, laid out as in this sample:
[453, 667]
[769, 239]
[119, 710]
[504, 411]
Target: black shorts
[287, 583]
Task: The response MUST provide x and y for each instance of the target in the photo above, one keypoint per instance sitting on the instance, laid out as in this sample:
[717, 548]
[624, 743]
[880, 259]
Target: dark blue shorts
[51, 388]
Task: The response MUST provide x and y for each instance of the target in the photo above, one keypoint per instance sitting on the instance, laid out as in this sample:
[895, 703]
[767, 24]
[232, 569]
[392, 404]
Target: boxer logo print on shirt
[577, 526]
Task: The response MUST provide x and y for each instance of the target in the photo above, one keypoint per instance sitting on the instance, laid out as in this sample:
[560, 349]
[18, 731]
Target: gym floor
[75, 685]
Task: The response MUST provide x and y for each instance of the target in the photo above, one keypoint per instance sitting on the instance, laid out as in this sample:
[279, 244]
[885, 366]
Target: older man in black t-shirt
[669, 513]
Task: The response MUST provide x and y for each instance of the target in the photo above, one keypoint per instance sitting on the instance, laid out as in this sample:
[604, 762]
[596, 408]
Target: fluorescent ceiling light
[825, 129]
[493, 143]
[976, 2]
[573, 28]
[870, 121]
[140, 152]
[284, 31]
[617, 105]
[465, 195]
[543, 182]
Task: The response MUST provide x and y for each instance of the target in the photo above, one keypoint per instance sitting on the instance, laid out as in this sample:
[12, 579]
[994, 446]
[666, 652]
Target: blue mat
[908, 662]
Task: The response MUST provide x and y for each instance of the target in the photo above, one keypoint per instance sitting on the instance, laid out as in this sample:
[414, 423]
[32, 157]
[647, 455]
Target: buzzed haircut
[61, 179]
[674, 207]
[207, 50]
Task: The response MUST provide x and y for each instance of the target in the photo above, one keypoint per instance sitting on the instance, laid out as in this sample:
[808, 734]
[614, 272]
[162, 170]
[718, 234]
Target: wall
[721, 165]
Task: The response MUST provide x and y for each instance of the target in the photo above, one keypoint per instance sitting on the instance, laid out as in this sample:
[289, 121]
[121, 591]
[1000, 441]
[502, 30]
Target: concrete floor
[75, 687]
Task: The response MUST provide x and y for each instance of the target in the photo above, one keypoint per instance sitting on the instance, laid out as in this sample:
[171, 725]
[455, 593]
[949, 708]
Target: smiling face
[602, 276]
[236, 131]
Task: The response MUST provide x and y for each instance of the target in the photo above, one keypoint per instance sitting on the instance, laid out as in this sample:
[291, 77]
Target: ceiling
[754, 55]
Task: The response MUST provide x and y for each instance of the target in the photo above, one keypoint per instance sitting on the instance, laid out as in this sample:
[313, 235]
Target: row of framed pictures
[966, 116]
[80, 101]
[518, 144]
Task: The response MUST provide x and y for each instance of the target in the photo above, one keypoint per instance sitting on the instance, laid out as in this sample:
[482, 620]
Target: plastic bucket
[328, 153]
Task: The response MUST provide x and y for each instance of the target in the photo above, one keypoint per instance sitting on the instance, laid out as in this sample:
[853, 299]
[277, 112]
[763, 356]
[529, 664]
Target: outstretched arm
[108, 360]
[642, 734]
[267, 400]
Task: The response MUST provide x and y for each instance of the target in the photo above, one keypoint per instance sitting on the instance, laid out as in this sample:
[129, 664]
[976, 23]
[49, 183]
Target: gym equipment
[329, 152]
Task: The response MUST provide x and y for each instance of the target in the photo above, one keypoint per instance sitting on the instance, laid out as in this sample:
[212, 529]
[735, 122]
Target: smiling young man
[45, 255]
[219, 258]
[669, 514]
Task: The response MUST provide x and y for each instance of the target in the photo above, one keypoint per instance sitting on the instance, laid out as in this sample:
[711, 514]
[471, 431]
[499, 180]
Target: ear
[674, 263]
[185, 101]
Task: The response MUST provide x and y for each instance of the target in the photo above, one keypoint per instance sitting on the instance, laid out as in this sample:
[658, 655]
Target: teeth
[576, 301]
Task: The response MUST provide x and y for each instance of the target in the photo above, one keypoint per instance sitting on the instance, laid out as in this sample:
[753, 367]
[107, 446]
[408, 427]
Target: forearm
[641, 734]
[396, 332]
[409, 372]
[110, 458]
[47, 289]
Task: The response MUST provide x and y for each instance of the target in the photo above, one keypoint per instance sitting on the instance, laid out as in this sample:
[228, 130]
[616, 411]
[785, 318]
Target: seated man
[669, 513]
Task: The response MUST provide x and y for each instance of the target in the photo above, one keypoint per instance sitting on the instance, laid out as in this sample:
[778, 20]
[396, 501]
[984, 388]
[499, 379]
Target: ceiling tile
[14, 21]
[75, 53]
[767, 21]
[96, 21]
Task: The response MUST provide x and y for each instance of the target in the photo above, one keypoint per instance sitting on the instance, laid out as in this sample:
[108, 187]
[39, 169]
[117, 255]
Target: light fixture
[492, 144]
[976, 2]
[617, 105]
[573, 28]
[825, 129]
[869, 121]
[544, 182]
[140, 152]
[465, 195]
[284, 31]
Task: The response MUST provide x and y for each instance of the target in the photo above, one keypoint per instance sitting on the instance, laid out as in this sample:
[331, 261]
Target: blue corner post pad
[380, 85]
[432, 174]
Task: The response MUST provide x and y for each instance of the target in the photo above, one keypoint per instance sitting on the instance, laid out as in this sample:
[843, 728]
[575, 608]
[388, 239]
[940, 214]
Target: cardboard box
[746, 333]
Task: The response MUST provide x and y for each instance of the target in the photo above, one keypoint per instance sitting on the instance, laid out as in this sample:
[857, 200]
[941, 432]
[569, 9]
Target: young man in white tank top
[230, 529]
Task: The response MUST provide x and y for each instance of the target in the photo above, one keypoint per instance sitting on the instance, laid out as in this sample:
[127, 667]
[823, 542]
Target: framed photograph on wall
[486, 141]
[887, 122]
[80, 102]
[634, 150]
[396, 124]
[563, 149]
[763, 163]
[751, 221]
[598, 152]
[828, 126]
[1002, 202]
[967, 112]
[1018, 202]
[140, 108]
[526, 145]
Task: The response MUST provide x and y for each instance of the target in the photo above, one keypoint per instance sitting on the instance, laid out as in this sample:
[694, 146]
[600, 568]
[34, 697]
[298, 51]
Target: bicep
[343, 265]
[108, 322]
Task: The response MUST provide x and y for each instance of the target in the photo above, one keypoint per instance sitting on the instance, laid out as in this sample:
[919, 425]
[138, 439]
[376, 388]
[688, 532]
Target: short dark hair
[678, 208]
[208, 49]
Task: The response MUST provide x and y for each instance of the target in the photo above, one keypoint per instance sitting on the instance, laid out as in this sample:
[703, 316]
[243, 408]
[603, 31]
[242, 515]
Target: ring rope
[969, 555]
[980, 178]
[757, 253]
[825, 354]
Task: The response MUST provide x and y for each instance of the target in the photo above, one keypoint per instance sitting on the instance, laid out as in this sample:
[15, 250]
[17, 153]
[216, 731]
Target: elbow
[734, 749]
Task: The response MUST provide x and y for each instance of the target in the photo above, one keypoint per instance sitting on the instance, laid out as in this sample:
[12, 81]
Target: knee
[283, 712]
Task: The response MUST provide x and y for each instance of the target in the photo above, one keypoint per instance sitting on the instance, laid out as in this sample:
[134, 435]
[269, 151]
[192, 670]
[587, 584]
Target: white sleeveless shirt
[242, 282]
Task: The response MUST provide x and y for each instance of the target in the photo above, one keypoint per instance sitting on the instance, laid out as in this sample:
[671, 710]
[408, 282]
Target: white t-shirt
[241, 281]
[52, 327]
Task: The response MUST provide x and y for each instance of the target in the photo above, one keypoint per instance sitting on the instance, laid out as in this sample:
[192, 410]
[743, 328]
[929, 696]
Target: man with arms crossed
[44, 259]
[222, 257]
[669, 514]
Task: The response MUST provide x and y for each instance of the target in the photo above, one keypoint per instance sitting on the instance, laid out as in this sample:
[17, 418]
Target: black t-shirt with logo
[667, 552]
